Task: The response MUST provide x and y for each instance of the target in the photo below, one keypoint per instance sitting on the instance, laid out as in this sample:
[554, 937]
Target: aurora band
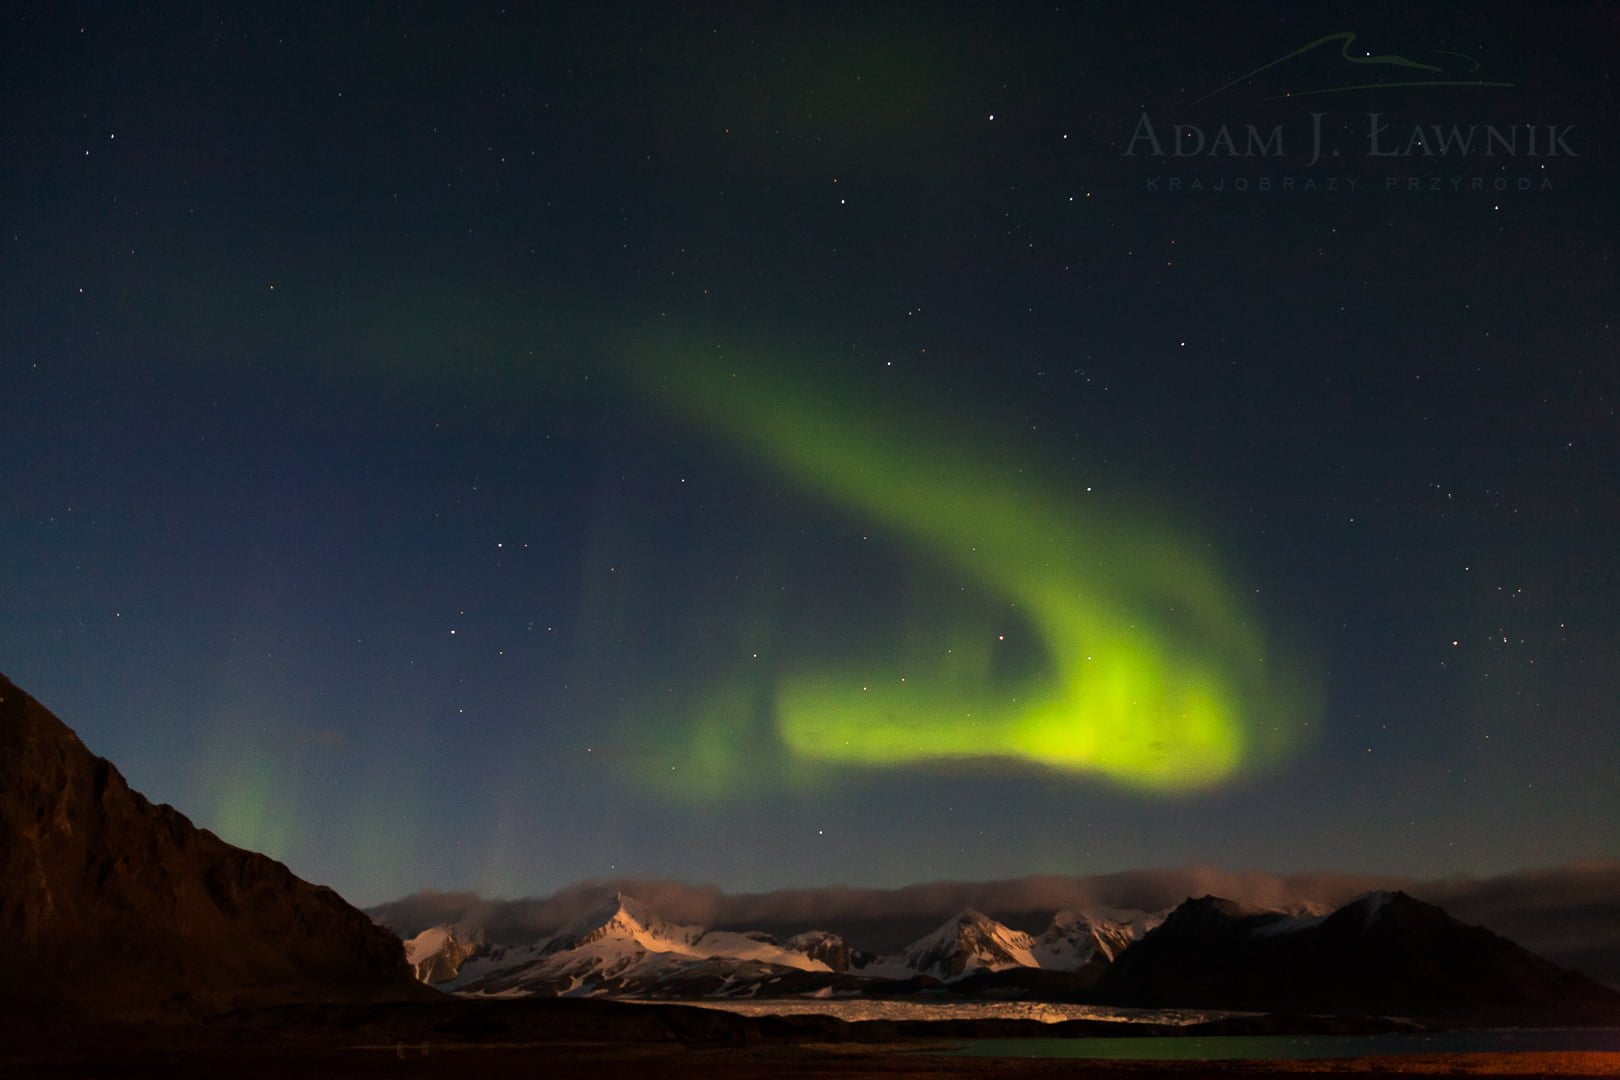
[1156, 676]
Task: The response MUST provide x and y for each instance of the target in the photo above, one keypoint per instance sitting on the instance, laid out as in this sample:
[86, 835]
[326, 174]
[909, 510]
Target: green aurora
[1149, 670]
[1152, 674]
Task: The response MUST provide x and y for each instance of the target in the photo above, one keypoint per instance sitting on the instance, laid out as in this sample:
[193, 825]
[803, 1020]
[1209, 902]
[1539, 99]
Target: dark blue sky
[355, 496]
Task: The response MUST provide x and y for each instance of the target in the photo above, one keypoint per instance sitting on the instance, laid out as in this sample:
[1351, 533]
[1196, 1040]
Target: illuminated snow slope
[623, 948]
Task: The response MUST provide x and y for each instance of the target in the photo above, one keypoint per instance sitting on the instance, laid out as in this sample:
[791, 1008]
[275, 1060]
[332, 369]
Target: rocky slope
[111, 905]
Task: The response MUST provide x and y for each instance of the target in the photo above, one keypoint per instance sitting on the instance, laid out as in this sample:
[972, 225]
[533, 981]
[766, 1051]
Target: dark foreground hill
[112, 906]
[1385, 953]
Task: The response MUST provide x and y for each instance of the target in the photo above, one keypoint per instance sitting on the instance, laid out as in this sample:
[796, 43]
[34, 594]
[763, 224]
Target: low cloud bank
[1569, 914]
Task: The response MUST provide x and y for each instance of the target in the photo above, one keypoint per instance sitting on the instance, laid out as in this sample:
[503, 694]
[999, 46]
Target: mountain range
[112, 906]
[1384, 953]
[623, 948]
[1569, 914]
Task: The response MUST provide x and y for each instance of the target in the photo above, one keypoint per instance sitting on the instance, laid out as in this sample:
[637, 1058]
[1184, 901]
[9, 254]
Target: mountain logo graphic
[1373, 72]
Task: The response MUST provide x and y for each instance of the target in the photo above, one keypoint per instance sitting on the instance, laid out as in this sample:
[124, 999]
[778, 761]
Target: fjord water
[1295, 1047]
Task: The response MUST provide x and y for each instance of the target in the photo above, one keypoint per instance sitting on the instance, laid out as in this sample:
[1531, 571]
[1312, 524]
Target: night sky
[774, 445]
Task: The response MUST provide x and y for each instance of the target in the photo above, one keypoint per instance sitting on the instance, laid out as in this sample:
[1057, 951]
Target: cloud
[1570, 914]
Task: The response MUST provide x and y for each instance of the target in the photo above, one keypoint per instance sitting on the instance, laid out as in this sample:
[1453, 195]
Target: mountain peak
[1075, 939]
[1372, 905]
[623, 917]
[1206, 910]
[629, 908]
[969, 942]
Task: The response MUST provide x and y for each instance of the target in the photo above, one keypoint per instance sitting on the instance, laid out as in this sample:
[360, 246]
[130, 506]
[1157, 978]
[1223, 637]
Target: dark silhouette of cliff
[111, 906]
[1384, 953]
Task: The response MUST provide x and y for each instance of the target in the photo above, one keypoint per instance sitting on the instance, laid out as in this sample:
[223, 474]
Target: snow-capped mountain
[1095, 937]
[828, 947]
[626, 918]
[968, 944]
[974, 953]
[623, 948]
[1383, 953]
[437, 953]
[489, 959]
